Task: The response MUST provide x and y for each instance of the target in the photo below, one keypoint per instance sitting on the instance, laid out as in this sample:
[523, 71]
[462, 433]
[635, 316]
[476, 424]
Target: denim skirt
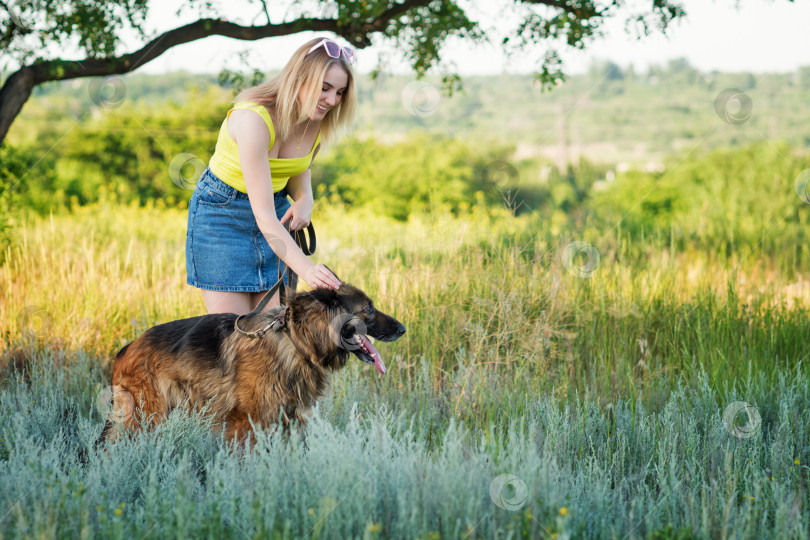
[225, 250]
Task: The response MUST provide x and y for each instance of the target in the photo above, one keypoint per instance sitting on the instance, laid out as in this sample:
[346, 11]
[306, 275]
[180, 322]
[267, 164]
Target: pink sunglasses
[334, 50]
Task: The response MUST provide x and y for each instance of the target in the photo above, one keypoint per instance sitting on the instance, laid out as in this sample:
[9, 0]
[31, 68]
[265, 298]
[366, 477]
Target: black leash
[280, 321]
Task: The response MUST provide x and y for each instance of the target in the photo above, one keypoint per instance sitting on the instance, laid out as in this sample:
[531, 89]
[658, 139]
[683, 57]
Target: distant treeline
[64, 153]
[609, 114]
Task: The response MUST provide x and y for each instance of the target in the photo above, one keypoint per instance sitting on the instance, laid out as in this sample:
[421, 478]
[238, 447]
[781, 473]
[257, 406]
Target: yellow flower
[796, 462]
[311, 511]
[772, 478]
[752, 497]
[554, 536]
[563, 511]
[118, 511]
[375, 528]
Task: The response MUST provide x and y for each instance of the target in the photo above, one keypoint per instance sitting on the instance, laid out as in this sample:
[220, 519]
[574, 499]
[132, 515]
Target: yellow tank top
[225, 161]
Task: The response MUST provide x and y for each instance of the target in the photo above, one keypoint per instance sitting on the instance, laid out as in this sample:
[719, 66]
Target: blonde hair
[305, 71]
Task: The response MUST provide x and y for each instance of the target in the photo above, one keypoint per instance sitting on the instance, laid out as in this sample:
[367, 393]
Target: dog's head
[350, 318]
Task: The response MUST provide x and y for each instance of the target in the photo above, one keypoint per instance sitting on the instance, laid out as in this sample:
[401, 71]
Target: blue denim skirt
[225, 250]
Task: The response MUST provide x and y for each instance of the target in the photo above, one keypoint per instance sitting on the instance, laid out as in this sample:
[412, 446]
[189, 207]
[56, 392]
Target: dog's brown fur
[203, 361]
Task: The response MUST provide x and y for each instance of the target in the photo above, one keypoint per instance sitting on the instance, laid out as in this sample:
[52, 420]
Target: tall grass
[368, 467]
[603, 397]
[485, 292]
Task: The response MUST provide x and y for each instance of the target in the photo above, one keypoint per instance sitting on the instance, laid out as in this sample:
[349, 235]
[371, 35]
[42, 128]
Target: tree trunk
[13, 95]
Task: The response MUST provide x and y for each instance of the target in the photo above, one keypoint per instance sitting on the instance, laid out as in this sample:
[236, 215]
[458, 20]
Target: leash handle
[301, 239]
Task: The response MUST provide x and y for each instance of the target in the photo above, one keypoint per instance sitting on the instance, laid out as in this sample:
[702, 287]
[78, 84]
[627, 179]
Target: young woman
[236, 236]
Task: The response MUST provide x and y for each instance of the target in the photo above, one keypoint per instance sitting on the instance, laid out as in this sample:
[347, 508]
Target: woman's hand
[319, 277]
[299, 214]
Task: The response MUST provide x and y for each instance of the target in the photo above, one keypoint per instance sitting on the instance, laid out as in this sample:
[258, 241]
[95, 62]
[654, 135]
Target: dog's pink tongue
[378, 363]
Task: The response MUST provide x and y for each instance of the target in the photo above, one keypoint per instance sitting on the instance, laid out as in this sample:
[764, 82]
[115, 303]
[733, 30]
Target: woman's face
[335, 83]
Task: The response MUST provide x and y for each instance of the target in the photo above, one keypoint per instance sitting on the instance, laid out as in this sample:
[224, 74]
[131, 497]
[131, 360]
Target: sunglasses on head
[334, 50]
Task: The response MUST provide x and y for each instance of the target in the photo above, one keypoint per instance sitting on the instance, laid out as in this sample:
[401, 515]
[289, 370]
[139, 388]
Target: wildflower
[118, 511]
[772, 478]
[311, 511]
[752, 497]
[563, 511]
[796, 462]
[375, 528]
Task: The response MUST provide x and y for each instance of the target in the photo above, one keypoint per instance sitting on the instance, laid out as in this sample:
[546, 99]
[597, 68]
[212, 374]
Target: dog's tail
[82, 455]
[117, 401]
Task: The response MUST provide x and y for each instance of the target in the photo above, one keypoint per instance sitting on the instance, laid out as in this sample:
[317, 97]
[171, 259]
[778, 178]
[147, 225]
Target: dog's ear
[288, 296]
[327, 298]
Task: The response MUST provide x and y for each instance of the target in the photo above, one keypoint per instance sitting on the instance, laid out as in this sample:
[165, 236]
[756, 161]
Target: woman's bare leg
[228, 302]
[255, 298]
[240, 303]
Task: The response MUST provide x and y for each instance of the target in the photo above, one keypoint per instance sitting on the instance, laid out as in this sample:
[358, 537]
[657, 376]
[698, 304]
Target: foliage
[604, 394]
[14, 169]
[30, 28]
[419, 172]
[373, 466]
[725, 201]
[37, 34]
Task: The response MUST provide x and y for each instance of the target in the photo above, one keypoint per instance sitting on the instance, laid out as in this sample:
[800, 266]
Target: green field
[604, 356]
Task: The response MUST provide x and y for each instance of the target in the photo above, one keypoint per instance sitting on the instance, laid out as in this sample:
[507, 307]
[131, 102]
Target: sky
[760, 36]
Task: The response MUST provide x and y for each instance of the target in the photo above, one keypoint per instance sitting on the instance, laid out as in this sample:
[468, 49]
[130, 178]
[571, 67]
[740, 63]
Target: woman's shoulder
[244, 123]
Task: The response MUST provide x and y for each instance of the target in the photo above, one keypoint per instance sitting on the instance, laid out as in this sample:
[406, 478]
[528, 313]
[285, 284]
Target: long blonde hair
[305, 71]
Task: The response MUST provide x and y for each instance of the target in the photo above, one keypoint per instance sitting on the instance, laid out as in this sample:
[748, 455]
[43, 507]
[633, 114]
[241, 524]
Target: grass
[603, 396]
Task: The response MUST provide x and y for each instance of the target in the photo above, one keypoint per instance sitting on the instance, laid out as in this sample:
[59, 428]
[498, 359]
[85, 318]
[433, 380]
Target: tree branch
[17, 88]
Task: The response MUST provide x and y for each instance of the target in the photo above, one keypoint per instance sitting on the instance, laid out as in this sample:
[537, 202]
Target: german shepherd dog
[204, 362]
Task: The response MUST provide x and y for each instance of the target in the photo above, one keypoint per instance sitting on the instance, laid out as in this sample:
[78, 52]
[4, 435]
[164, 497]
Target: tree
[38, 34]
